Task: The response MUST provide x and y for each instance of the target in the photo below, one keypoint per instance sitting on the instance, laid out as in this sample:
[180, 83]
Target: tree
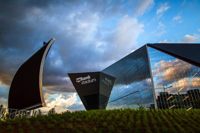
[51, 111]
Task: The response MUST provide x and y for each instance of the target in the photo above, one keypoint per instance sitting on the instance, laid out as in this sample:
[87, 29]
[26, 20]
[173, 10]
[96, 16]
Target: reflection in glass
[150, 78]
[176, 82]
[133, 87]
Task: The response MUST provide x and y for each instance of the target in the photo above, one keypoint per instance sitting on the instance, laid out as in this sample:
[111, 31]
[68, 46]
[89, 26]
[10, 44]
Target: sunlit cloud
[60, 101]
[176, 76]
[184, 84]
[188, 38]
[171, 70]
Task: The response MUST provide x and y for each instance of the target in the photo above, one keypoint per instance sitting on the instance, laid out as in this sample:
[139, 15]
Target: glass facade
[133, 86]
[176, 82]
[154, 76]
[164, 77]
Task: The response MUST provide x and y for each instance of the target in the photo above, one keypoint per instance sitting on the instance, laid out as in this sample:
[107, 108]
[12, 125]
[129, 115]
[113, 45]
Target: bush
[123, 120]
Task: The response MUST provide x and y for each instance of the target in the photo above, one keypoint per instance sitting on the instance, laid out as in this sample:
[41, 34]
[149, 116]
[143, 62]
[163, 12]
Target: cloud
[131, 7]
[81, 35]
[178, 74]
[126, 34]
[177, 18]
[90, 35]
[59, 84]
[5, 78]
[61, 102]
[143, 6]
[188, 83]
[190, 38]
[162, 9]
[185, 84]
[164, 41]
[168, 71]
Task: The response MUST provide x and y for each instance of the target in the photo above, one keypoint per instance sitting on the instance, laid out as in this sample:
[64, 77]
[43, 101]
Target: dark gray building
[138, 83]
[93, 88]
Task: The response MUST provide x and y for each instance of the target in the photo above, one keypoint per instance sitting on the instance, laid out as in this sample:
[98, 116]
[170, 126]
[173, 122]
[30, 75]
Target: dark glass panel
[133, 87]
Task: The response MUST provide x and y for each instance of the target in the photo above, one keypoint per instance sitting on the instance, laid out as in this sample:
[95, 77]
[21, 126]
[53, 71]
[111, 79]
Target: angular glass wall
[177, 83]
[133, 87]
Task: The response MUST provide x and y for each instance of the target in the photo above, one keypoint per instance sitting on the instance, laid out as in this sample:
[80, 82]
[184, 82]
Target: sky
[90, 35]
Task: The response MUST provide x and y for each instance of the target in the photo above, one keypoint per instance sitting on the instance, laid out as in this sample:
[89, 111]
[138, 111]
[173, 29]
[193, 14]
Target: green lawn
[128, 120]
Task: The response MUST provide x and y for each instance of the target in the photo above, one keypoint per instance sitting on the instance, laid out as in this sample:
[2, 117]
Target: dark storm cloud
[19, 37]
[81, 44]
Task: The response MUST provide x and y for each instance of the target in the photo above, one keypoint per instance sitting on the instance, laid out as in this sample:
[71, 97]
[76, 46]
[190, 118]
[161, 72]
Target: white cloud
[164, 41]
[83, 28]
[162, 9]
[127, 33]
[60, 101]
[177, 18]
[143, 6]
[190, 38]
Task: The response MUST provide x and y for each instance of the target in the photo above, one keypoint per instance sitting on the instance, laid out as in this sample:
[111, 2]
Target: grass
[127, 120]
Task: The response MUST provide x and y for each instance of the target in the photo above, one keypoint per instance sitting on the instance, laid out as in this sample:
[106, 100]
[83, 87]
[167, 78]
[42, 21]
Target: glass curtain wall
[133, 86]
[177, 83]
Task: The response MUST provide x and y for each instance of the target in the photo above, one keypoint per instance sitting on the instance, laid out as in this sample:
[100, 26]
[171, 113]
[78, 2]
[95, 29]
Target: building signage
[107, 81]
[85, 80]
